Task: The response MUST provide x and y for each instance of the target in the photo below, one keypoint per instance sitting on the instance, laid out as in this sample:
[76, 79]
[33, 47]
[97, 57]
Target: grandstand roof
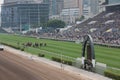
[115, 4]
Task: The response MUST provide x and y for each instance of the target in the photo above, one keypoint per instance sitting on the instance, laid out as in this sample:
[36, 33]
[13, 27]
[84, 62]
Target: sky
[1, 1]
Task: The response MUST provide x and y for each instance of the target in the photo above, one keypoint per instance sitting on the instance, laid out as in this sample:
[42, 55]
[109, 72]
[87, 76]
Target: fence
[58, 55]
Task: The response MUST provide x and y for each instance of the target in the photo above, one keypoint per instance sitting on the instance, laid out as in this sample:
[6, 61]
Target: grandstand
[104, 27]
[2, 30]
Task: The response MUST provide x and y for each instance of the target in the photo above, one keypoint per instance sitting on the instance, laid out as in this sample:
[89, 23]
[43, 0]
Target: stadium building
[72, 11]
[113, 1]
[55, 6]
[23, 15]
[90, 8]
[103, 27]
[11, 1]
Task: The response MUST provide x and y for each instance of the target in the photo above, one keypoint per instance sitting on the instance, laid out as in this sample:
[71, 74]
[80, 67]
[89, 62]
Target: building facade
[72, 3]
[24, 15]
[113, 1]
[12, 1]
[55, 6]
[69, 4]
[70, 15]
[90, 8]
[72, 10]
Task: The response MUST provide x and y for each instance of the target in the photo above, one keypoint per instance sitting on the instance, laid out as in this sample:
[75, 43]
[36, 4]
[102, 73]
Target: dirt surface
[16, 67]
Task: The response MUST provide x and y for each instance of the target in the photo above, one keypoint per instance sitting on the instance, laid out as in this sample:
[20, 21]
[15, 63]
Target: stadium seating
[104, 28]
[2, 30]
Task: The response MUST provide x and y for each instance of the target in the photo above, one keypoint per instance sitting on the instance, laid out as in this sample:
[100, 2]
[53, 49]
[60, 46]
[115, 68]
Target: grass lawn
[109, 56]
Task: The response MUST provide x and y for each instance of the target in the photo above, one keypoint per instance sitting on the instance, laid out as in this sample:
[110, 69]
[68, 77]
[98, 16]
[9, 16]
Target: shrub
[41, 55]
[14, 47]
[69, 62]
[111, 74]
[22, 49]
[63, 60]
[56, 59]
[11, 45]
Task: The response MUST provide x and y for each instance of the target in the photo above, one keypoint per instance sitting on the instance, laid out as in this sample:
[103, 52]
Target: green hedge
[111, 74]
[63, 60]
[41, 55]
[11, 45]
[22, 49]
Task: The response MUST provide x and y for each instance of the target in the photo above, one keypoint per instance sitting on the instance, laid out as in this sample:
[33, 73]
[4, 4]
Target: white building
[69, 4]
[72, 10]
[55, 17]
[101, 2]
[90, 8]
[11, 1]
[113, 1]
[69, 15]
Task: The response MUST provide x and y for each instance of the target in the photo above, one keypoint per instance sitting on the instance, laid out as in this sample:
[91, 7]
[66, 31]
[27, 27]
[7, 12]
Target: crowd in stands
[2, 30]
[104, 28]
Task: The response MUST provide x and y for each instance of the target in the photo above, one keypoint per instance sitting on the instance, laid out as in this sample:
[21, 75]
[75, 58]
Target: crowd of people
[104, 28]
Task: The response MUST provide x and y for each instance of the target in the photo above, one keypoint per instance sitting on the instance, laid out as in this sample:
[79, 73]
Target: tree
[56, 24]
[80, 19]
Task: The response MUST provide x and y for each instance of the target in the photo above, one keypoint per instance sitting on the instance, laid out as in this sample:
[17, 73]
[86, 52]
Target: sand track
[16, 67]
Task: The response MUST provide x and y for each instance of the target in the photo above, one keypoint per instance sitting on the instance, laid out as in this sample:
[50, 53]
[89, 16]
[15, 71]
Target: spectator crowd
[104, 28]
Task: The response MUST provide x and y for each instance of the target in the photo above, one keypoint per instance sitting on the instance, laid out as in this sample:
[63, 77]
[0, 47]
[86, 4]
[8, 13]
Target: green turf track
[109, 56]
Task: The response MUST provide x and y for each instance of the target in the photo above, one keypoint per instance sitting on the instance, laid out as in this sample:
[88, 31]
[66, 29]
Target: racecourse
[16, 67]
[109, 56]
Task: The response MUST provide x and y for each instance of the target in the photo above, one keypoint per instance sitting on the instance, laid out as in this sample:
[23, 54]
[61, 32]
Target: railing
[51, 54]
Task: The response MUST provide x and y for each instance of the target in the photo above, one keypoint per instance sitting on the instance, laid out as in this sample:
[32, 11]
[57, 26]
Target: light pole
[20, 23]
[20, 20]
[38, 16]
[29, 18]
[61, 62]
[69, 16]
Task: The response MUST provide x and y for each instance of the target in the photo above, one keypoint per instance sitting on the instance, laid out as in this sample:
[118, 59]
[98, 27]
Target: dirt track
[16, 67]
